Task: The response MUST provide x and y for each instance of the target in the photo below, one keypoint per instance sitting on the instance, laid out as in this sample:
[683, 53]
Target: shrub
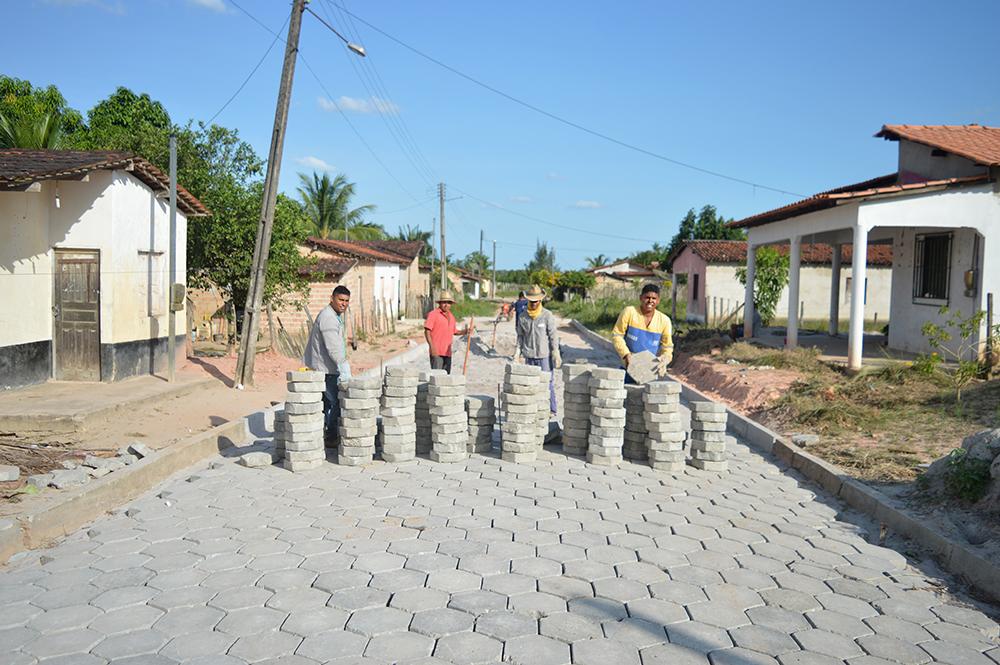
[966, 478]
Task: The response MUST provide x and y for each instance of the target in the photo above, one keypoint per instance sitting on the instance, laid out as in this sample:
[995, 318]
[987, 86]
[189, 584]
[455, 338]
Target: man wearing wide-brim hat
[538, 339]
[439, 329]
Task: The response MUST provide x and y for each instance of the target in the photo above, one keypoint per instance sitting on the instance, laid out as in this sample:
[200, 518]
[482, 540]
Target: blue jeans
[331, 404]
[546, 365]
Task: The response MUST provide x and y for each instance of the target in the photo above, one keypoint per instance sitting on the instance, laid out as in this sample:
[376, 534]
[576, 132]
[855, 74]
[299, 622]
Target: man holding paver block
[644, 329]
[326, 351]
[538, 339]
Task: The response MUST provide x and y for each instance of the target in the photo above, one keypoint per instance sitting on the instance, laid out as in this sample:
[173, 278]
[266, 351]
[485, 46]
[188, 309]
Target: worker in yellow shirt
[644, 329]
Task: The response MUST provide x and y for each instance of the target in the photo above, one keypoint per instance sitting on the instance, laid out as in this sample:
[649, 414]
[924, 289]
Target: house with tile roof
[939, 215]
[84, 260]
[383, 276]
[714, 295]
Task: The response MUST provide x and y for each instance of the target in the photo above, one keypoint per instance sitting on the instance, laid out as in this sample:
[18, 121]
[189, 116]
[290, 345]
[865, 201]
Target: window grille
[932, 266]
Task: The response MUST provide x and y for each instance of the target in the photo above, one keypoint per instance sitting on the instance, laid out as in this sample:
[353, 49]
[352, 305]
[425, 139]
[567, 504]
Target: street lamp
[356, 48]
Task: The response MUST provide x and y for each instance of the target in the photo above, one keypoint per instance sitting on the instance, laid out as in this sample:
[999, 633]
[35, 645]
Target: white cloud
[315, 163]
[521, 199]
[355, 105]
[552, 175]
[587, 205]
[213, 5]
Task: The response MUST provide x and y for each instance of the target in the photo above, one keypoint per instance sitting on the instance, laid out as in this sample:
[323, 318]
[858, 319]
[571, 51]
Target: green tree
[544, 259]
[42, 133]
[23, 105]
[771, 276]
[328, 205]
[657, 254]
[477, 262]
[597, 261]
[414, 233]
[707, 224]
[128, 122]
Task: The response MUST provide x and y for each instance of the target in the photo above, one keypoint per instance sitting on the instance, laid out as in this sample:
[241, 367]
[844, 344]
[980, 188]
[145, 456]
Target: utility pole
[481, 245]
[493, 284]
[433, 242]
[255, 293]
[172, 263]
[444, 253]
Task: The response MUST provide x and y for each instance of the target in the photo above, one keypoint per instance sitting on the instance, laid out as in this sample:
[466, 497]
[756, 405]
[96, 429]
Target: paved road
[484, 561]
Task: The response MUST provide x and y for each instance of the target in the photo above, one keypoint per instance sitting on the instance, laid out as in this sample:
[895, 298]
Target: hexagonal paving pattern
[553, 563]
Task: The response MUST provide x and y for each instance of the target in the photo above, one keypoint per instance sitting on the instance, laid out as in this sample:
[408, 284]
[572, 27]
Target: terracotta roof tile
[735, 251]
[976, 142]
[328, 267]
[358, 249]
[874, 187]
[20, 168]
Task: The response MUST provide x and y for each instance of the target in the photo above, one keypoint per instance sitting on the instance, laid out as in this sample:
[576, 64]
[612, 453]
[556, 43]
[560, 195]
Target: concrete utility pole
[481, 243]
[493, 284]
[172, 269]
[444, 253]
[255, 294]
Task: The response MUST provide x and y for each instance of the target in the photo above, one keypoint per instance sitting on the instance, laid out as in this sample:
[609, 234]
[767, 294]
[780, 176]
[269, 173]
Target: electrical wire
[411, 207]
[547, 222]
[277, 36]
[565, 121]
[322, 86]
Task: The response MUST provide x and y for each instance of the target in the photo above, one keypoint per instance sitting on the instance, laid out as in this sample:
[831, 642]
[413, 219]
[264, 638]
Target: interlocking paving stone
[481, 561]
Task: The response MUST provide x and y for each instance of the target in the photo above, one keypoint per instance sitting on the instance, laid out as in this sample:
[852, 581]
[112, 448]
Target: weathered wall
[916, 158]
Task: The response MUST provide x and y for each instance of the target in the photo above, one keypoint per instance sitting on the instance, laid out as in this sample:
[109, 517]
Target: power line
[411, 207]
[547, 222]
[277, 36]
[330, 97]
[569, 123]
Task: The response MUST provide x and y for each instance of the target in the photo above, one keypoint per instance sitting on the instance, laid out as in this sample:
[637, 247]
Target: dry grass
[880, 424]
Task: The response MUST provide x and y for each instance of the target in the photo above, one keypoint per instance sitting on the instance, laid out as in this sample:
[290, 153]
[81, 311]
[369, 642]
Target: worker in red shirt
[439, 329]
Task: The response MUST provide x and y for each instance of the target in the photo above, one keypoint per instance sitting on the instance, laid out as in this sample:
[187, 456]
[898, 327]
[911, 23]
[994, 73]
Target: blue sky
[784, 94]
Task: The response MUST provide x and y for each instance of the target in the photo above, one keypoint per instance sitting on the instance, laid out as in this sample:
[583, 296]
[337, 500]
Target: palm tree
[41, 133]
[328, 205]
[597, 261]
[414, 233]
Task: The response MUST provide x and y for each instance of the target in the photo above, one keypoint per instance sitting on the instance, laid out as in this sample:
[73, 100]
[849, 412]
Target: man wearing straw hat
[439, 329]
[538, 340]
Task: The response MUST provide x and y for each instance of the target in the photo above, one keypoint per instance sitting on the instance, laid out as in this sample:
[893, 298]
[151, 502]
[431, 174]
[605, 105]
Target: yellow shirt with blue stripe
[631, 334]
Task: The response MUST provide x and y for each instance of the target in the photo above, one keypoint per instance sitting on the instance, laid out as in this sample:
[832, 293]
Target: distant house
[84, 240]
[383, 276]
[460, 280]
[714, 294]
[621, 271]
[939, 215]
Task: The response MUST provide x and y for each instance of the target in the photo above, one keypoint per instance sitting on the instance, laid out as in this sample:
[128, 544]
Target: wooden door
[77, 314]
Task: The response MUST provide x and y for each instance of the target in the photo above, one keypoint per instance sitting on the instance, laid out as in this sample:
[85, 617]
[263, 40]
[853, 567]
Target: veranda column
[794, 263]
[748, 308]
[859, 268]
[834, 326]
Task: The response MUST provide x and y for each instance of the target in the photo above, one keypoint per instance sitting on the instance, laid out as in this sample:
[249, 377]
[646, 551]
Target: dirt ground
[176, 418]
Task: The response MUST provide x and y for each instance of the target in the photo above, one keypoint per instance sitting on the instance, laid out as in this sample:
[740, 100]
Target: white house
[84, 288]
[715, 295]
[940, 214]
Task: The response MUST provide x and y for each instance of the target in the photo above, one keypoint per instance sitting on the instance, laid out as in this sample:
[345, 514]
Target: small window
[694, 287]
[932, 267]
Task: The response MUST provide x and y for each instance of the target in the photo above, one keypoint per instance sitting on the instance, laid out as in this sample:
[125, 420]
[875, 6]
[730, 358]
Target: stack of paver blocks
[576, 407]
[708, 436]
[519, 440]
[635, 424]
[359, 398]
[543, 413]
[481, 410]
[607, 416]
[303, 421]
[424, 440]
[449, 423]
[279, 432]
[664, 430]
[398, 430]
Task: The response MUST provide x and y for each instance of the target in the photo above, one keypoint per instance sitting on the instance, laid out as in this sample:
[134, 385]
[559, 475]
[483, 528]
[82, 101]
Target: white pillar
[794, 263]
[859, 266]
[835, 290]
[748, 292]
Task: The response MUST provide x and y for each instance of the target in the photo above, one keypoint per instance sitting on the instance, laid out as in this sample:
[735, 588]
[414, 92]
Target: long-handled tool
[468, 342]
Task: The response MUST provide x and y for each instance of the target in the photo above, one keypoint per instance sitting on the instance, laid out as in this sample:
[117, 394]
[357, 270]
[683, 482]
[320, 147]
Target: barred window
[932, 266]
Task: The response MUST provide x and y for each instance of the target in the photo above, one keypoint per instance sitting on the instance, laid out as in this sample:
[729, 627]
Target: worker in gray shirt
[538, 340]
[326, 351]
